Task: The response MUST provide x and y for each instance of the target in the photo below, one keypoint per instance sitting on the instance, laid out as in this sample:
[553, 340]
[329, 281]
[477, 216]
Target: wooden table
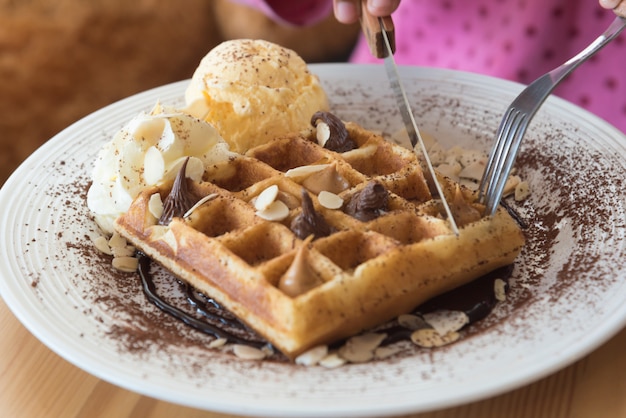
[35, 382]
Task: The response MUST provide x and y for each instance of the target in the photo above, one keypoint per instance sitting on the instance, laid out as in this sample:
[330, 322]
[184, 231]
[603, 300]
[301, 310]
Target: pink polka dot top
[517, 40]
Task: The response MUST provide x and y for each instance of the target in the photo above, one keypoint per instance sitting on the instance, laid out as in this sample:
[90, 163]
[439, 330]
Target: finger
[383, 7]
[609, 4]
[346, 11]
[621, 9]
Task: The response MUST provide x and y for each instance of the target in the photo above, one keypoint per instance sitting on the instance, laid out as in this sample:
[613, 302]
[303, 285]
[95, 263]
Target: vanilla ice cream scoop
[149, 151]
[253, 91]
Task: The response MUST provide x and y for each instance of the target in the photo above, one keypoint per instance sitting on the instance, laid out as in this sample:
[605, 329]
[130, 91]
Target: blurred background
[61, 60]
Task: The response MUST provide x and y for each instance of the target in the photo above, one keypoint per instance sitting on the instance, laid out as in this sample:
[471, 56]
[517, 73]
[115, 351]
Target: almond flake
[445, 321]
[386, 352]
[332, 361]
[329, 200]
[218, 342]
[305, 170]
[360, 348]
[155, 205]
[312, 356]
[511, 184]
[128, 251]
[323, 133]
[499, 289]
[126, 264]
[473, 171]
[276, 211]
[429, 338]
[200, 203]
[117, 240]
[266, 198]
[102, 244]
[245, 352]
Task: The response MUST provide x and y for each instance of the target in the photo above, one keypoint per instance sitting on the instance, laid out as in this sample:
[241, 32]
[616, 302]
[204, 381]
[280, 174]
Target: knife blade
[380, 35]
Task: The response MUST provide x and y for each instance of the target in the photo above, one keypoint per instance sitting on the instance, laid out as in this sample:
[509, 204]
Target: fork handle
[372, 30]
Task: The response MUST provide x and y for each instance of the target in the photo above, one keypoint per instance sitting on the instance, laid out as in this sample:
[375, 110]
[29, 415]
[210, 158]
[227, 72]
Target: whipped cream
[149, 151]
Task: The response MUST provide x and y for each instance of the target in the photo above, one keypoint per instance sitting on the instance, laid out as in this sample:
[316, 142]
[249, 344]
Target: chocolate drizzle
[179, 200]
[309, 222]
[216, 321]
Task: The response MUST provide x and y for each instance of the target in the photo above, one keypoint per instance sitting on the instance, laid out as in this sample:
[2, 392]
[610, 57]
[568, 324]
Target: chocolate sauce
[215, 320]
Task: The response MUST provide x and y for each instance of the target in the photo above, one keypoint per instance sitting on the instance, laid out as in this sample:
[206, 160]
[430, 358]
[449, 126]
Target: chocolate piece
[180, 199]
[309, 222]
[339, 140]
[371, 202]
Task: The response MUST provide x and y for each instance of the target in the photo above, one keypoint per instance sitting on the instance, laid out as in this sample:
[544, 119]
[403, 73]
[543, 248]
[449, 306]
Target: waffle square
[301, 291]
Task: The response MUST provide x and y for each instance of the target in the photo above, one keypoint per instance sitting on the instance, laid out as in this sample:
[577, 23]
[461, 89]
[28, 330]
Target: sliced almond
[473, 171]
[332, 361]
[329, 200]
[386, 351]
[218, 342]
[499, 290]
[128, 251]
[117, 240]
[199, 203]
[446, 321]
[155, 205]
[312, 356]
[102, 244]
[360, 348]
[322, 133]
[126, 264]
[429, 338]
[305, 170]
[276, 211]
[266, 198]
[511, 184]
[450, 170]
[245, 352]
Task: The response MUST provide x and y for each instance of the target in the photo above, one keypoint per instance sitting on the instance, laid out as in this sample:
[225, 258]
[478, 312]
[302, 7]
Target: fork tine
[513, 133]
[495, 155]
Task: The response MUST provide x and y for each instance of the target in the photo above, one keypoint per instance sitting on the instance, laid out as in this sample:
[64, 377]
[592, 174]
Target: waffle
[366, 266]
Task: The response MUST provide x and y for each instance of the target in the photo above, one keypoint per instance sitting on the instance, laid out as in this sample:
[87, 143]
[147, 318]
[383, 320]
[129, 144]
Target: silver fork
[519, 114]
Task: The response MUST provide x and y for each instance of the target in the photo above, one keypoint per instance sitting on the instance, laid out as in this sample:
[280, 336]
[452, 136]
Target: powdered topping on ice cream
[149, 151]
[253, 91]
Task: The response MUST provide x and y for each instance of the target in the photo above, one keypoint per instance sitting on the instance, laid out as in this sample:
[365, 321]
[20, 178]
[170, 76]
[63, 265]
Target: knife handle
[372, 28]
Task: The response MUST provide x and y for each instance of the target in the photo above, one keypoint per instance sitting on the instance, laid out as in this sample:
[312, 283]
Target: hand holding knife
[380, 35]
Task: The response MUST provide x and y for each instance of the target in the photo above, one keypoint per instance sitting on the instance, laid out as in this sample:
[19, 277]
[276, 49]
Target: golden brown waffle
[364, 273]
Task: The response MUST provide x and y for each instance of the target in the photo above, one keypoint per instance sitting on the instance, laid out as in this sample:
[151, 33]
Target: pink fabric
[515, 40]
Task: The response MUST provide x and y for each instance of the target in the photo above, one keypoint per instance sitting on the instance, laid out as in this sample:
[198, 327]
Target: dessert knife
[380, 35]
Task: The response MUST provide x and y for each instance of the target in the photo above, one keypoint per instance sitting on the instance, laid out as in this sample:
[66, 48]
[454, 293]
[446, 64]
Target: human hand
[618, 6]
[347, 11]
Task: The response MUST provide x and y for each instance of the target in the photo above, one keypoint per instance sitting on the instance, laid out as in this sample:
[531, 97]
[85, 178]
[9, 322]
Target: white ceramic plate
[567, 296]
